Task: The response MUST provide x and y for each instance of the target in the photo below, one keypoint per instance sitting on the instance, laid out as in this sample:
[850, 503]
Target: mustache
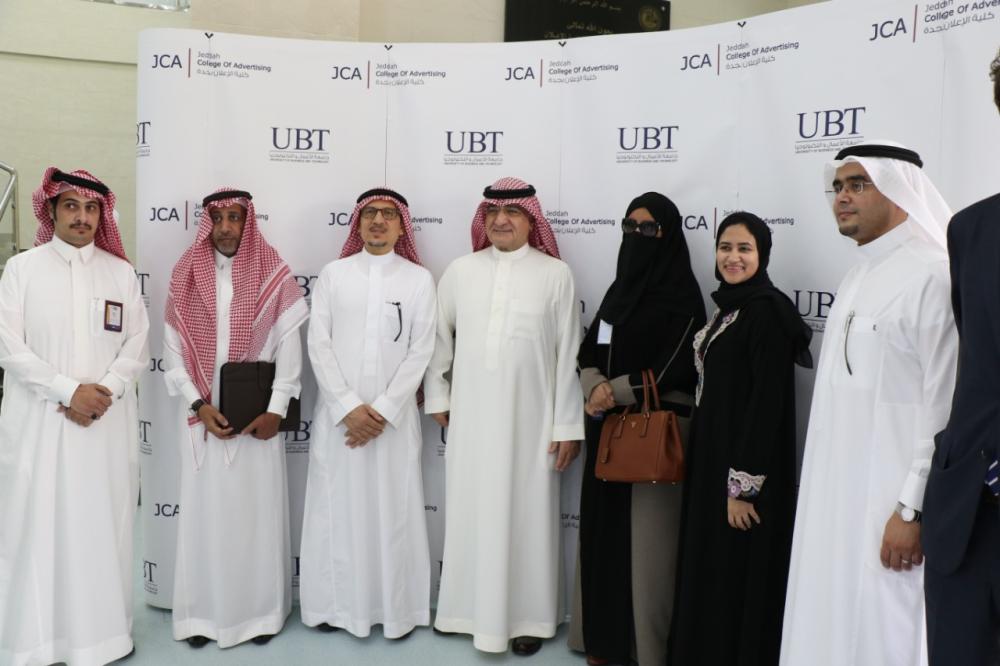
[78, 225]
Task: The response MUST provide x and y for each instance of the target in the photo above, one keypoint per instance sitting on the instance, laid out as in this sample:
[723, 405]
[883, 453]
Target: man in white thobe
[231, 299]
[365, 559]
[883, 389]
[508, 330]
[73, 333]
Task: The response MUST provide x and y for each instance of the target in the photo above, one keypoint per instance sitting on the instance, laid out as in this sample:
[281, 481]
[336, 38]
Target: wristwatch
[907, 514]
[196, 405]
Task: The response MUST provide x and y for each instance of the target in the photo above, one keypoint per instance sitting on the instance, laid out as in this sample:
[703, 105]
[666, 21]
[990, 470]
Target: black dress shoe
[444, 633]
[327, 628]
[525, 646]
[197, 641]
[263, 639]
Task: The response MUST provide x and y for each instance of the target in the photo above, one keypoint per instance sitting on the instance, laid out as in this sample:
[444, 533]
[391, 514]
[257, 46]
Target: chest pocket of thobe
[526, 318]
[862, 352]
[394, 322]
[107, 319]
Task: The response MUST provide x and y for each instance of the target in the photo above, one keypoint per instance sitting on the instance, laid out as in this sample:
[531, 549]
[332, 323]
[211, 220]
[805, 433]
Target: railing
[9, 243]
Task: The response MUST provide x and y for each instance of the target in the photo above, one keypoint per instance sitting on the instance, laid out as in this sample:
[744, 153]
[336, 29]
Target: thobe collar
[513, 255]
[377, 259]
[888, 241]
[222, 261]
[67, 251]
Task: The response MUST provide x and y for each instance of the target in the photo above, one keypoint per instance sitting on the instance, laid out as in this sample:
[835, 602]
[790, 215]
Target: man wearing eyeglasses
[508, 331]
[883, 389]
[961, 529]
[365, 559]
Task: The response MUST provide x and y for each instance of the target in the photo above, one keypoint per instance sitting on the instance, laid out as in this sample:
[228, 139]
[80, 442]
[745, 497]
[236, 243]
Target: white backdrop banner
[735, 116]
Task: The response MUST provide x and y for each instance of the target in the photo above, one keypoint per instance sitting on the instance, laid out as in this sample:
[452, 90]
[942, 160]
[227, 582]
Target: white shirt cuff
[113, 384]
[279, 402]
[62, 389]
[912, 494]
[387, 408]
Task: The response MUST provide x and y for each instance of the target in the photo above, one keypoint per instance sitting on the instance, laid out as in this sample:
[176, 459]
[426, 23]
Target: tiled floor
[299, 645]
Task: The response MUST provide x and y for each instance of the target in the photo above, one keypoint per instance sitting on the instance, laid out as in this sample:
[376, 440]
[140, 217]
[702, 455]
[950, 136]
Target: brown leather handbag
[641, 447]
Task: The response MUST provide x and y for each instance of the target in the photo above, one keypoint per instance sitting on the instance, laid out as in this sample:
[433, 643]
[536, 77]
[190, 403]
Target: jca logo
[827, 123]
[520, 74]
[156, 365]
[888, 29]
[653, 137]
[166, 510]
[473, 142]
[695, 223]
[163, 214]
[695, 61]
[346, 73]
[167, 61]
[339, 219]
[299, 138]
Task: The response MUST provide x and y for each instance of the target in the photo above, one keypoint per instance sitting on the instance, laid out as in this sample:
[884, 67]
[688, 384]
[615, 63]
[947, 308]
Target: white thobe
[365, 558]
[883, 389]
[67, 493]
[513, 391]
[232, 578]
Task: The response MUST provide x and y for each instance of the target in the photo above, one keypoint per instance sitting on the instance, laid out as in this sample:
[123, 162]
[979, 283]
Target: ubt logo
[827, 123]
[473, 142]
[299, 138]
[653, 137]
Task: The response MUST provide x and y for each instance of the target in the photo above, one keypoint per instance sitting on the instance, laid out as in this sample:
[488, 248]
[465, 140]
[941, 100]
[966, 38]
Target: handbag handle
[649, 385]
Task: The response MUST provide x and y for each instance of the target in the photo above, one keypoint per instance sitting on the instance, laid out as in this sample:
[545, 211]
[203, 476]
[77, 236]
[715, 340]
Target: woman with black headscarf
[628, 532]
[739, 493]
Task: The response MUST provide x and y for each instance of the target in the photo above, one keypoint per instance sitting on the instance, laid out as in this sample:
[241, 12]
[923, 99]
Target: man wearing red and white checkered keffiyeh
[508, 330]
[231, 299]
[73, 332]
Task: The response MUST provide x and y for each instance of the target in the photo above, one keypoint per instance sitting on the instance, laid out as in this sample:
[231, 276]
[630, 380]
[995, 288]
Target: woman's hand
[602, 398]
[741, 513]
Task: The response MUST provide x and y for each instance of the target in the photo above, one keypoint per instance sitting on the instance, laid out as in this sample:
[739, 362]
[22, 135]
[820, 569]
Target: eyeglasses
[368, 213]
[647, 229]
[509, 211]
[854, 186]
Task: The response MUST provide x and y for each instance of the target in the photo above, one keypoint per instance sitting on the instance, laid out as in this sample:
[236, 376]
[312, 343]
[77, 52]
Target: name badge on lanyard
[113, 314]
[604, 333]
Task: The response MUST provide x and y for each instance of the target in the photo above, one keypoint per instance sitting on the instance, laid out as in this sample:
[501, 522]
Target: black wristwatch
[196, 405]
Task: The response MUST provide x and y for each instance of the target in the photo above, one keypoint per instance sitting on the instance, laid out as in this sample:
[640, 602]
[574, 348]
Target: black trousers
[963, 608]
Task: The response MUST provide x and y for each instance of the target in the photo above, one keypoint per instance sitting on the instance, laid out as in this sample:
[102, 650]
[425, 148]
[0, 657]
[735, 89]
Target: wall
[67, 67]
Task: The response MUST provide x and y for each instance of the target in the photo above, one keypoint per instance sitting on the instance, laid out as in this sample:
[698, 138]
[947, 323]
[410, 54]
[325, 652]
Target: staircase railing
[9, 243]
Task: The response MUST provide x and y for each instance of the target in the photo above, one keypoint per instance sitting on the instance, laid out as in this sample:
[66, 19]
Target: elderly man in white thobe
[508, 329]
[73, 331]
[883, 390]
[365, 559]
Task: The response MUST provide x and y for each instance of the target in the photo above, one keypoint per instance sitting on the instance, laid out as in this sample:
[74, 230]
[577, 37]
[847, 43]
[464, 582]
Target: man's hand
[565, 453]
[76, 417]
[602, 398]
[363, 424]
[441, 418]
[91, 400]
[264, 426]
[215, 422]
[901, 544]
[740, 514]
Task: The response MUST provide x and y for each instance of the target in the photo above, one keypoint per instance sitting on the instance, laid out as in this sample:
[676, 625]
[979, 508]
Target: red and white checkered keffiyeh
[405, 245]
[265, 294]
[54, 182]
[541, 236]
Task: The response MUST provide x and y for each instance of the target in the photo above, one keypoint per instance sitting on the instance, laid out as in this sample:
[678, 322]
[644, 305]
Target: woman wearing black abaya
[739, 493]
[628, 532]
